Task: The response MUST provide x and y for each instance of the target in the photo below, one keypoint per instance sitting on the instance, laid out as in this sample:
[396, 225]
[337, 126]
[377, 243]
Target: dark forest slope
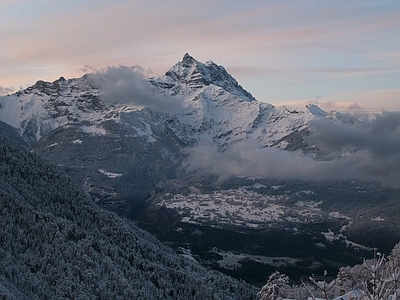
[55, 243]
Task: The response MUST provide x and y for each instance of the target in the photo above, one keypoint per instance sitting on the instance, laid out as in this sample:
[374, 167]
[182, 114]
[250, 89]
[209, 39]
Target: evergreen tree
[275, 288]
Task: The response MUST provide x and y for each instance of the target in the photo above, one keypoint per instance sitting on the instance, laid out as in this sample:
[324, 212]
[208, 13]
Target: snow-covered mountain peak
[316, 111]
[190, 75]
[44, 87]
[333, 114]
[189, 71]
[188, 60]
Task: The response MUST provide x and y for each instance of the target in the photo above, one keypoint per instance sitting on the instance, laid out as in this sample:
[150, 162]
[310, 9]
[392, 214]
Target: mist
[380, 135]
[130, 85]
[6, 90]
[368, 150]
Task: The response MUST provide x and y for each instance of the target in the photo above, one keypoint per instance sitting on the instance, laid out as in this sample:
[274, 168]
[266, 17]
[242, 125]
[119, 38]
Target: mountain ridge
[207, 88]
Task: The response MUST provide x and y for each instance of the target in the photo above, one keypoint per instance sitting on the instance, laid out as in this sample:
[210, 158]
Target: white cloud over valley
[369, 150]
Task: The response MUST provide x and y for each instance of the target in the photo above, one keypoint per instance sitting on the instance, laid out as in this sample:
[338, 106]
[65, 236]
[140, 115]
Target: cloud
[353, 102]
[129, 85]
[391, 56]
[375, 100]
[328, 72]
[6, 90]
[373, 146]
[369, 150]
[380, 136]
[247, 159]
[99, 31]
[350, 108]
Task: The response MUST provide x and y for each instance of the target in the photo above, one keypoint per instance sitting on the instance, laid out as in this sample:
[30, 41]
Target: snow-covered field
[244, 207]
[231, 260]
[109, 174]
[233, 207]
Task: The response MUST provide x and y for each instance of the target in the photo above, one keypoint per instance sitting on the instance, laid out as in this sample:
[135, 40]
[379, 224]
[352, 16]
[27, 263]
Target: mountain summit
[196, 75]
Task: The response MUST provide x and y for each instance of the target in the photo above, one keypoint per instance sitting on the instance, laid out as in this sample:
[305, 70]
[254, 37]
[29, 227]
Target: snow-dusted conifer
[55, 243]
[275, 288]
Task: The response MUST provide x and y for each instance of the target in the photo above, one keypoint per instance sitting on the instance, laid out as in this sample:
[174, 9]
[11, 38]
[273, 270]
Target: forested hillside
[55, 243]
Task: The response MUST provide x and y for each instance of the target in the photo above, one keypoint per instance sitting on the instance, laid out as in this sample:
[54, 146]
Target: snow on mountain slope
[45, 106]
[214, 108]
[217, 109]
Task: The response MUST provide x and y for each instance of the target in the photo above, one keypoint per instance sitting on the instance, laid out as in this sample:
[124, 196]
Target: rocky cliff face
[190, 75]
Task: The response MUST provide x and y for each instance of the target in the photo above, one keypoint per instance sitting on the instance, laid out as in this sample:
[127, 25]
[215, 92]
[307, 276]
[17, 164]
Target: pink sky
[338, 54]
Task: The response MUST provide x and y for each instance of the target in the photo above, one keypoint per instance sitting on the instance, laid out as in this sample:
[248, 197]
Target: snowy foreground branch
[375, 279]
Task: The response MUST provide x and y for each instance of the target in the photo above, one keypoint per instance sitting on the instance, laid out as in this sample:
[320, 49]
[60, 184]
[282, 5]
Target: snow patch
[258, 185]
[230, 207]
[52, 145]
[147, 132]
[231, 260]
[109, 174]
[93, 130]
[316, 111]
[276, 187]
[338, 215]
[329, 235]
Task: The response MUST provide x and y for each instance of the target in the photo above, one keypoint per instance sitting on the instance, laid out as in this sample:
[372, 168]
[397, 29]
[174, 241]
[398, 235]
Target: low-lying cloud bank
[368, 150]
[129, 85]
